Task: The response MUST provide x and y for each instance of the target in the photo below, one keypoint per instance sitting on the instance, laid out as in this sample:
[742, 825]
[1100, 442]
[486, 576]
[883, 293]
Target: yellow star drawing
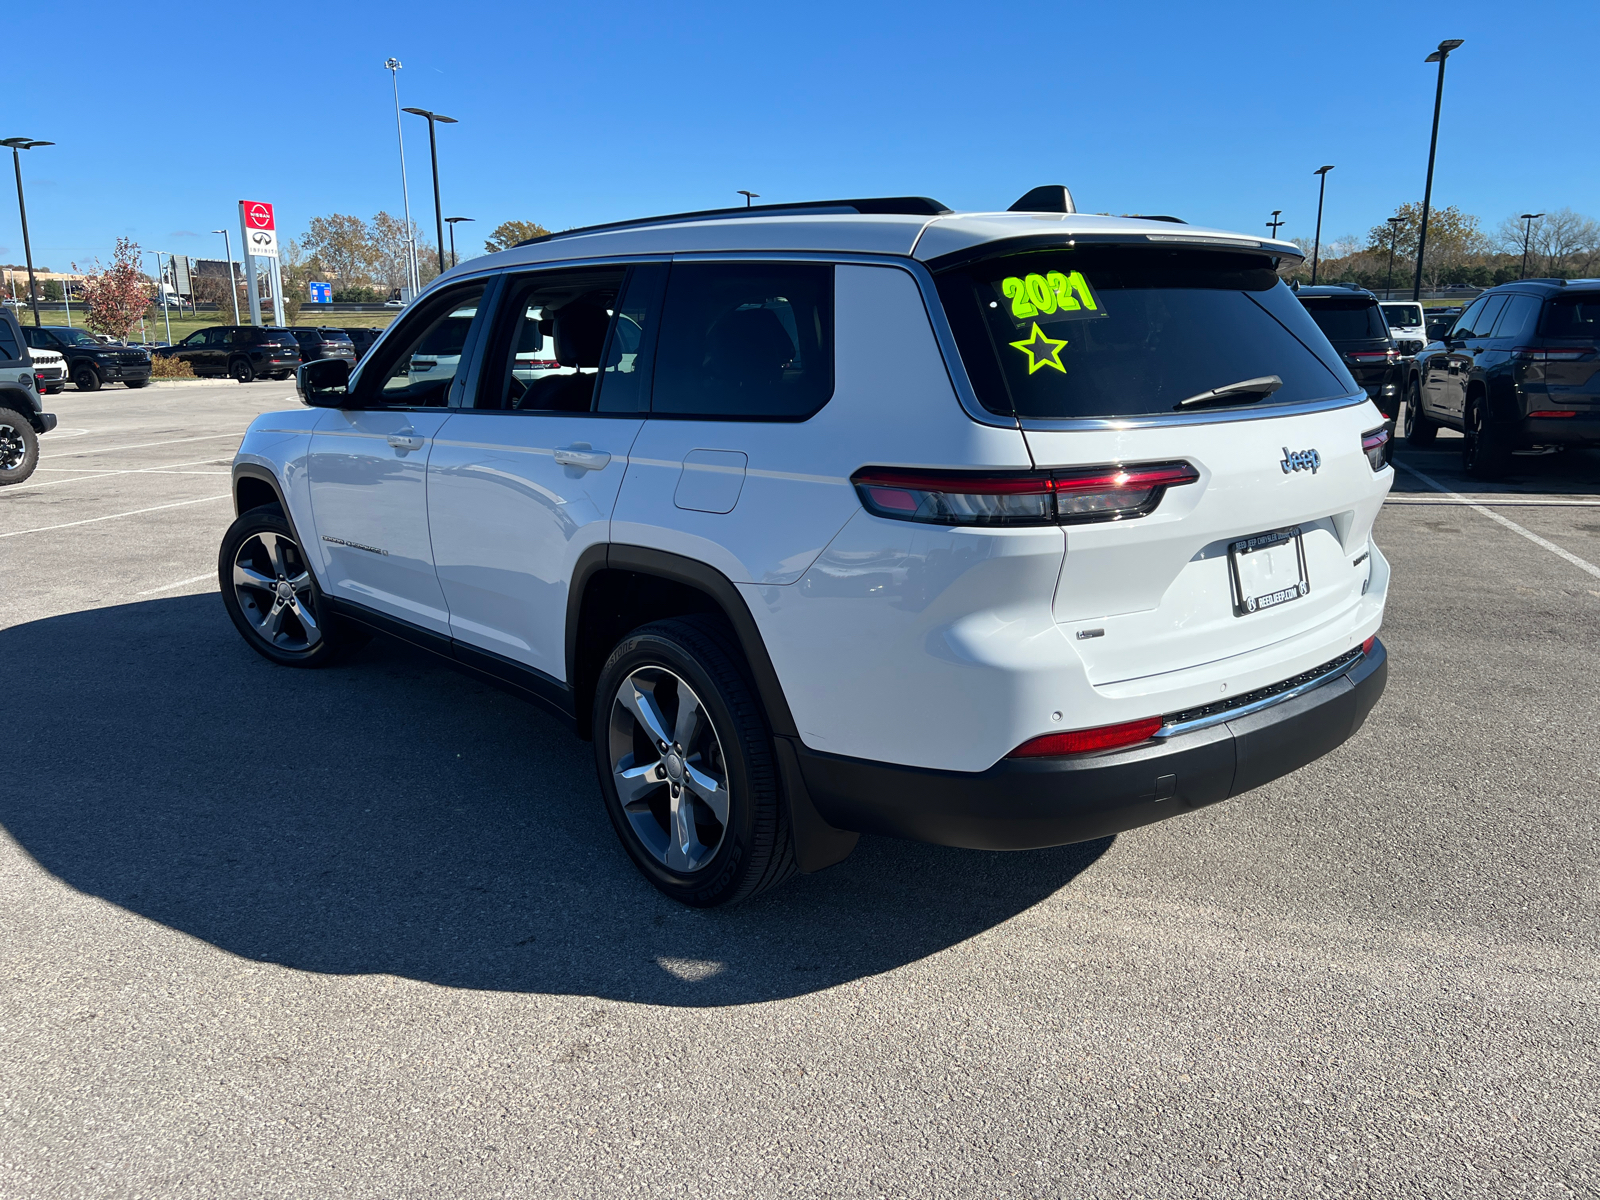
[1050, 357]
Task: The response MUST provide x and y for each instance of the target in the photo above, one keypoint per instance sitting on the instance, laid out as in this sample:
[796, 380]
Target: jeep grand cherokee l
[995, 530]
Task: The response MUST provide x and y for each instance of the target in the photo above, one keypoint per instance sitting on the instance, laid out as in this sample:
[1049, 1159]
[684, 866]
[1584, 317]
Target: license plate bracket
[1267, 570]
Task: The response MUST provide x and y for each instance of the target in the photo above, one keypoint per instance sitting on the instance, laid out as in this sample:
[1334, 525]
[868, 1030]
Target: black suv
[1519, 369]
[363, 338]
[324, 342]
[244, 352]
[90, 362]
[1352, 320]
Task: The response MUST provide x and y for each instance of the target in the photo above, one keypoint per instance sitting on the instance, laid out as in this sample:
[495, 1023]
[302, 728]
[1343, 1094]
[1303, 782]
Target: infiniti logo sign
[1300, 460]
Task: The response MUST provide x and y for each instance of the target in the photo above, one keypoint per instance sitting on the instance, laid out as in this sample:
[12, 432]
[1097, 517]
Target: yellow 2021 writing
[1031, 295]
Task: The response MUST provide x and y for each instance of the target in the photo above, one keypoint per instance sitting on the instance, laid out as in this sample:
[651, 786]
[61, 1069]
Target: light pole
[1394, 238]
[1527, 233]
[161, 286]
[394, 65]
[1316, 246]
[233, 289]
[1438, 56]
[18, 144]
[749, 196]
[433, 151]
[452, 222]
[1276, 224]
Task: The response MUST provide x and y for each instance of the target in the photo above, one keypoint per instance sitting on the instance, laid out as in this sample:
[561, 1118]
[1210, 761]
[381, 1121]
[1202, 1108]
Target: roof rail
[911, 206]
[1556, 282]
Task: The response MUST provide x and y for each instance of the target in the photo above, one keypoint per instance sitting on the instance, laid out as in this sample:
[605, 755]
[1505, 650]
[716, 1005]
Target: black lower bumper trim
[1021, 804]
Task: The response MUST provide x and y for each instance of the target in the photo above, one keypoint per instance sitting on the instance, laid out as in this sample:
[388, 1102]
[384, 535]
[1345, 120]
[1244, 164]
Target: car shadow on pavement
[390, 815]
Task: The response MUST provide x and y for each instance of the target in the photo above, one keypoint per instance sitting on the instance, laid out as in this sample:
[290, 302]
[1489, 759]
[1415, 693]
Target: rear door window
[8, 342]
[1516, 318]
[1483, 322]
[1343, 319]
[745, 341]
[1119, 331]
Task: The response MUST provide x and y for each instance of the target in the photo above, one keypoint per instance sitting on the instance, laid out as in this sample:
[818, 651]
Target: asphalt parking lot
[366, 932]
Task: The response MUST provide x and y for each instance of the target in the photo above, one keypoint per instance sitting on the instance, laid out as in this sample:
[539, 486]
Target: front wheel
[686, 765]
[271, 596]
[1484, 452]
[1420, 430]
[241, 370]
[85, 378]
[19, 447]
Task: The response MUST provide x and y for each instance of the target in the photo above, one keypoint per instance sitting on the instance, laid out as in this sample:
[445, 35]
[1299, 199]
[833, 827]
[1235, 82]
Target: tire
[136, 383]
[19, 447]
[260, 566]
[85, 378]
[241, 370]
[736, 840]
[1421, 431]
[1484, 452]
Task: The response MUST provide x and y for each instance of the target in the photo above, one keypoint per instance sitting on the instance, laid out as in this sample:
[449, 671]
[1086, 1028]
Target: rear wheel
[271, 596]
[85, 378]
[19, 447]
[241, 370]
[686, 765]
[1420, 431]
[1485, 453]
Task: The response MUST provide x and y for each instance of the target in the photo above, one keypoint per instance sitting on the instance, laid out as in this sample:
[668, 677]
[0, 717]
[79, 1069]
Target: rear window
[1346, 320]
[1575, 314]
[279, 337]
[334, 335]
[1116, 331]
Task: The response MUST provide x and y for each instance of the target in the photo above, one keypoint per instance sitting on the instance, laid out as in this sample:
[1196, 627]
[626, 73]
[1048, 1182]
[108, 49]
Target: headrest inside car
[580, 333]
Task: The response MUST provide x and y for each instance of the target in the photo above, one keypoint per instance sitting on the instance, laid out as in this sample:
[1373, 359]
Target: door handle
[405, 441]
[582, 456]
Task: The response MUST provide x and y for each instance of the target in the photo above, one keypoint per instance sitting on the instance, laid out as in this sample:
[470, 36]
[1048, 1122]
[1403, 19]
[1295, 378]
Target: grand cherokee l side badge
[1300, 460]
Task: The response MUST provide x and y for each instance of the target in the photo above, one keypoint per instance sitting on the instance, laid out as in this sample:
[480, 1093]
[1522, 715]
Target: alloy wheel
[670, 772]
[13, 447]
[273, 587]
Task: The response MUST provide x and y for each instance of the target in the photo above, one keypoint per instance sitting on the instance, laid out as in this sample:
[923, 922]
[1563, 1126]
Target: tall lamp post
[749, 196]
[1276, 224]
[1527, 234]
[453, 222]
[18, 144]
[412, 280]
[233, 288]
[1316, 246]
[161, 286]
[1438, 56]
[433, 151]
[1394, 238]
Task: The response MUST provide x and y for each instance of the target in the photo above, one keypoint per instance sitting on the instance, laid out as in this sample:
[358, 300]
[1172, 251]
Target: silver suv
[1000, 530]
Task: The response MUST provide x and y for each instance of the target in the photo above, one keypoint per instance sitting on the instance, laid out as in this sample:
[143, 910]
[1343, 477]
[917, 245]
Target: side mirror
[323, 382]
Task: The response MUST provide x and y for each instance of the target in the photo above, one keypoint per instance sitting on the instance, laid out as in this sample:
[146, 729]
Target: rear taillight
[1367, 358]
[1555, 412]
[1375, 445]
[1082, 741]
[1366, 646]
[38, 381]
[1552, 353]
[1074, 497]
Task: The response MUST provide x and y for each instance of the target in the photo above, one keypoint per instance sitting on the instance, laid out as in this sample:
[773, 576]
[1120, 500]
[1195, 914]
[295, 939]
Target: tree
[296, 271]
[1453, 238]
[115, 297]
[508, 233]
[1568, 243]
[389, 237]
[343, 247]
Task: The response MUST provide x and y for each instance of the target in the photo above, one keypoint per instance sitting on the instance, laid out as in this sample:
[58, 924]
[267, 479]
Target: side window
[1483, 323]
[37, 338]
[421, 374]
[1463, 326]
[8, 342]
[1516, 318]
[551, 341]
[217, 337]
[195, 339]
[745, 341]
[242, 337]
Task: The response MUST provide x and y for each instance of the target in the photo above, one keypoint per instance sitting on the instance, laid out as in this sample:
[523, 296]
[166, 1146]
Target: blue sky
[577, 114]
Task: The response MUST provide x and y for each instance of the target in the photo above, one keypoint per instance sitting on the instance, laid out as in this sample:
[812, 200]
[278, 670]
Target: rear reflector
[1069, 497]
[1553, 353]
[1554, 412]
[1082, 741]
[1375, 444]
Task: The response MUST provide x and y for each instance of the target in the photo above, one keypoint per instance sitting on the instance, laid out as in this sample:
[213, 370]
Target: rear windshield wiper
[1260, 388]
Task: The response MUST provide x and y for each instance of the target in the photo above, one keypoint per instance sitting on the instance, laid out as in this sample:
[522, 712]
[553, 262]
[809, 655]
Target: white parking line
[209, 437]
[181, 583]
[166, 469]
[1581, 564]
[114, 516]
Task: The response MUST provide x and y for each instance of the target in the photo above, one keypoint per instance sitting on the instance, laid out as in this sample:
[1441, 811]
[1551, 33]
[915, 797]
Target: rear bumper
[1021, 804]
[1581, 430]
[42, 422]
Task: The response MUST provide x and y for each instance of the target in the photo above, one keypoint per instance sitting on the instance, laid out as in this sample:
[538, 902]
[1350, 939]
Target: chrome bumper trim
[1173, 729]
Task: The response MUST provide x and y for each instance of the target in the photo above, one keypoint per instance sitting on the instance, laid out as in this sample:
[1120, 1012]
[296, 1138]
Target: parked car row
[250, 352]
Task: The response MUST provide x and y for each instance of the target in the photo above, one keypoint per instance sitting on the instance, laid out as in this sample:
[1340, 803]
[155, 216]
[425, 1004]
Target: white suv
[998, 530]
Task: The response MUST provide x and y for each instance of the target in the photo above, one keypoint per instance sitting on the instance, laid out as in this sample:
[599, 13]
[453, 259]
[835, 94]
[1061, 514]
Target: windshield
[1346, 319]
[76, 337]
[1118, 331]
[1403, 316]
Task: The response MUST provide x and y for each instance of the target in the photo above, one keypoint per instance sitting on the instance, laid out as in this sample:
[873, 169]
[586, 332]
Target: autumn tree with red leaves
[115, 297]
